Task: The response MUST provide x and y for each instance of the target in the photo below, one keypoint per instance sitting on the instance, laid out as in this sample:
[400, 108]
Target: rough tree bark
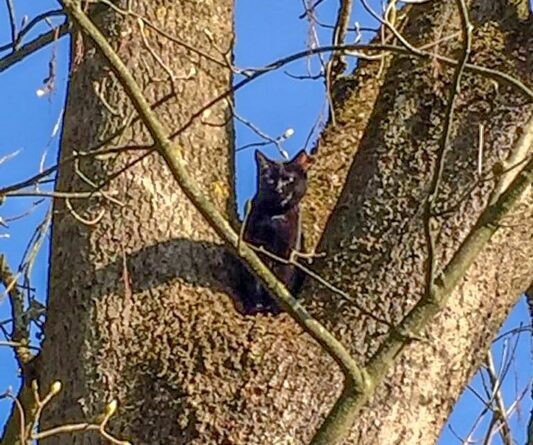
[139, 301]
[374, 238]
[139, 291]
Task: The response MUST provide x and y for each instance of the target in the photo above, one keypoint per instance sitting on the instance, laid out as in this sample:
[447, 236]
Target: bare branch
[33, 22]
[29, 418]
[293, 260]
[9, 156]
[20, 330]
[12, 21]
[57, 194]
[483, 71]
[444, 145]
[21, 52]
[310, 9]
[36, 179]
[33, 46]
[267, 139]
[500, 411]
[337, 63]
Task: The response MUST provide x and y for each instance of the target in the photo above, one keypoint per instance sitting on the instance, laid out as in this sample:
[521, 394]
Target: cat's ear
[303, 160]
[262, 161]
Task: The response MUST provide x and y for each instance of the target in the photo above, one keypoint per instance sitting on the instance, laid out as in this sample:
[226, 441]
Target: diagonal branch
[444, 145]
[426, 309]
[33, 46]
[33, 22]
[487, 225]
[20, 52]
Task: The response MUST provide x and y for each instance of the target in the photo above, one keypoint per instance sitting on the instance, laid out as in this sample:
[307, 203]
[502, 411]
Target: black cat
[274, 223]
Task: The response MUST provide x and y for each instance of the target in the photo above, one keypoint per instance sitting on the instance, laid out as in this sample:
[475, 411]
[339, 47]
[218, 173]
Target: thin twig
[166, 68]
[78, 155]
[293, 260]
[514, 331]
[36, 20]
[12, 22]
[96, 189]
[489, 177]
[310, 9]
[88, 222]
[81, 427]
[337, 63]
[9, 156]
[500, 411]
[57, 194]
[268, 139]
[40, 42]
[444, 142]
[312, 41]
[20, 411]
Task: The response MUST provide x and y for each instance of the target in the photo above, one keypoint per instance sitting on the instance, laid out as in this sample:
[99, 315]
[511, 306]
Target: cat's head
[281, 185]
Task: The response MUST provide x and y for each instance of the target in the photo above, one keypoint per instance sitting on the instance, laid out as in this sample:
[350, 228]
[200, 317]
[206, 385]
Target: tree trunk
[137, 297]
[374, 240]
[140, 307]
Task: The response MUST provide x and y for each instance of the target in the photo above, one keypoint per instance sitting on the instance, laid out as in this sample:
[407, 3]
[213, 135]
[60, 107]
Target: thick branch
[424, 311]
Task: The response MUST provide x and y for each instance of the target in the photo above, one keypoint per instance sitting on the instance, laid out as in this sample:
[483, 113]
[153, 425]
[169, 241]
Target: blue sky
[266, 30]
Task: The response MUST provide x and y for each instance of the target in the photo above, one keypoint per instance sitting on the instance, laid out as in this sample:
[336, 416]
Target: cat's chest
[281, 222]
[274, 229]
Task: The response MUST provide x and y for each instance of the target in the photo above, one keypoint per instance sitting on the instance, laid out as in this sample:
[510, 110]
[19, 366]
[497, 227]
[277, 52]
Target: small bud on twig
[111, 408]
[55, 387]
[288, 133]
